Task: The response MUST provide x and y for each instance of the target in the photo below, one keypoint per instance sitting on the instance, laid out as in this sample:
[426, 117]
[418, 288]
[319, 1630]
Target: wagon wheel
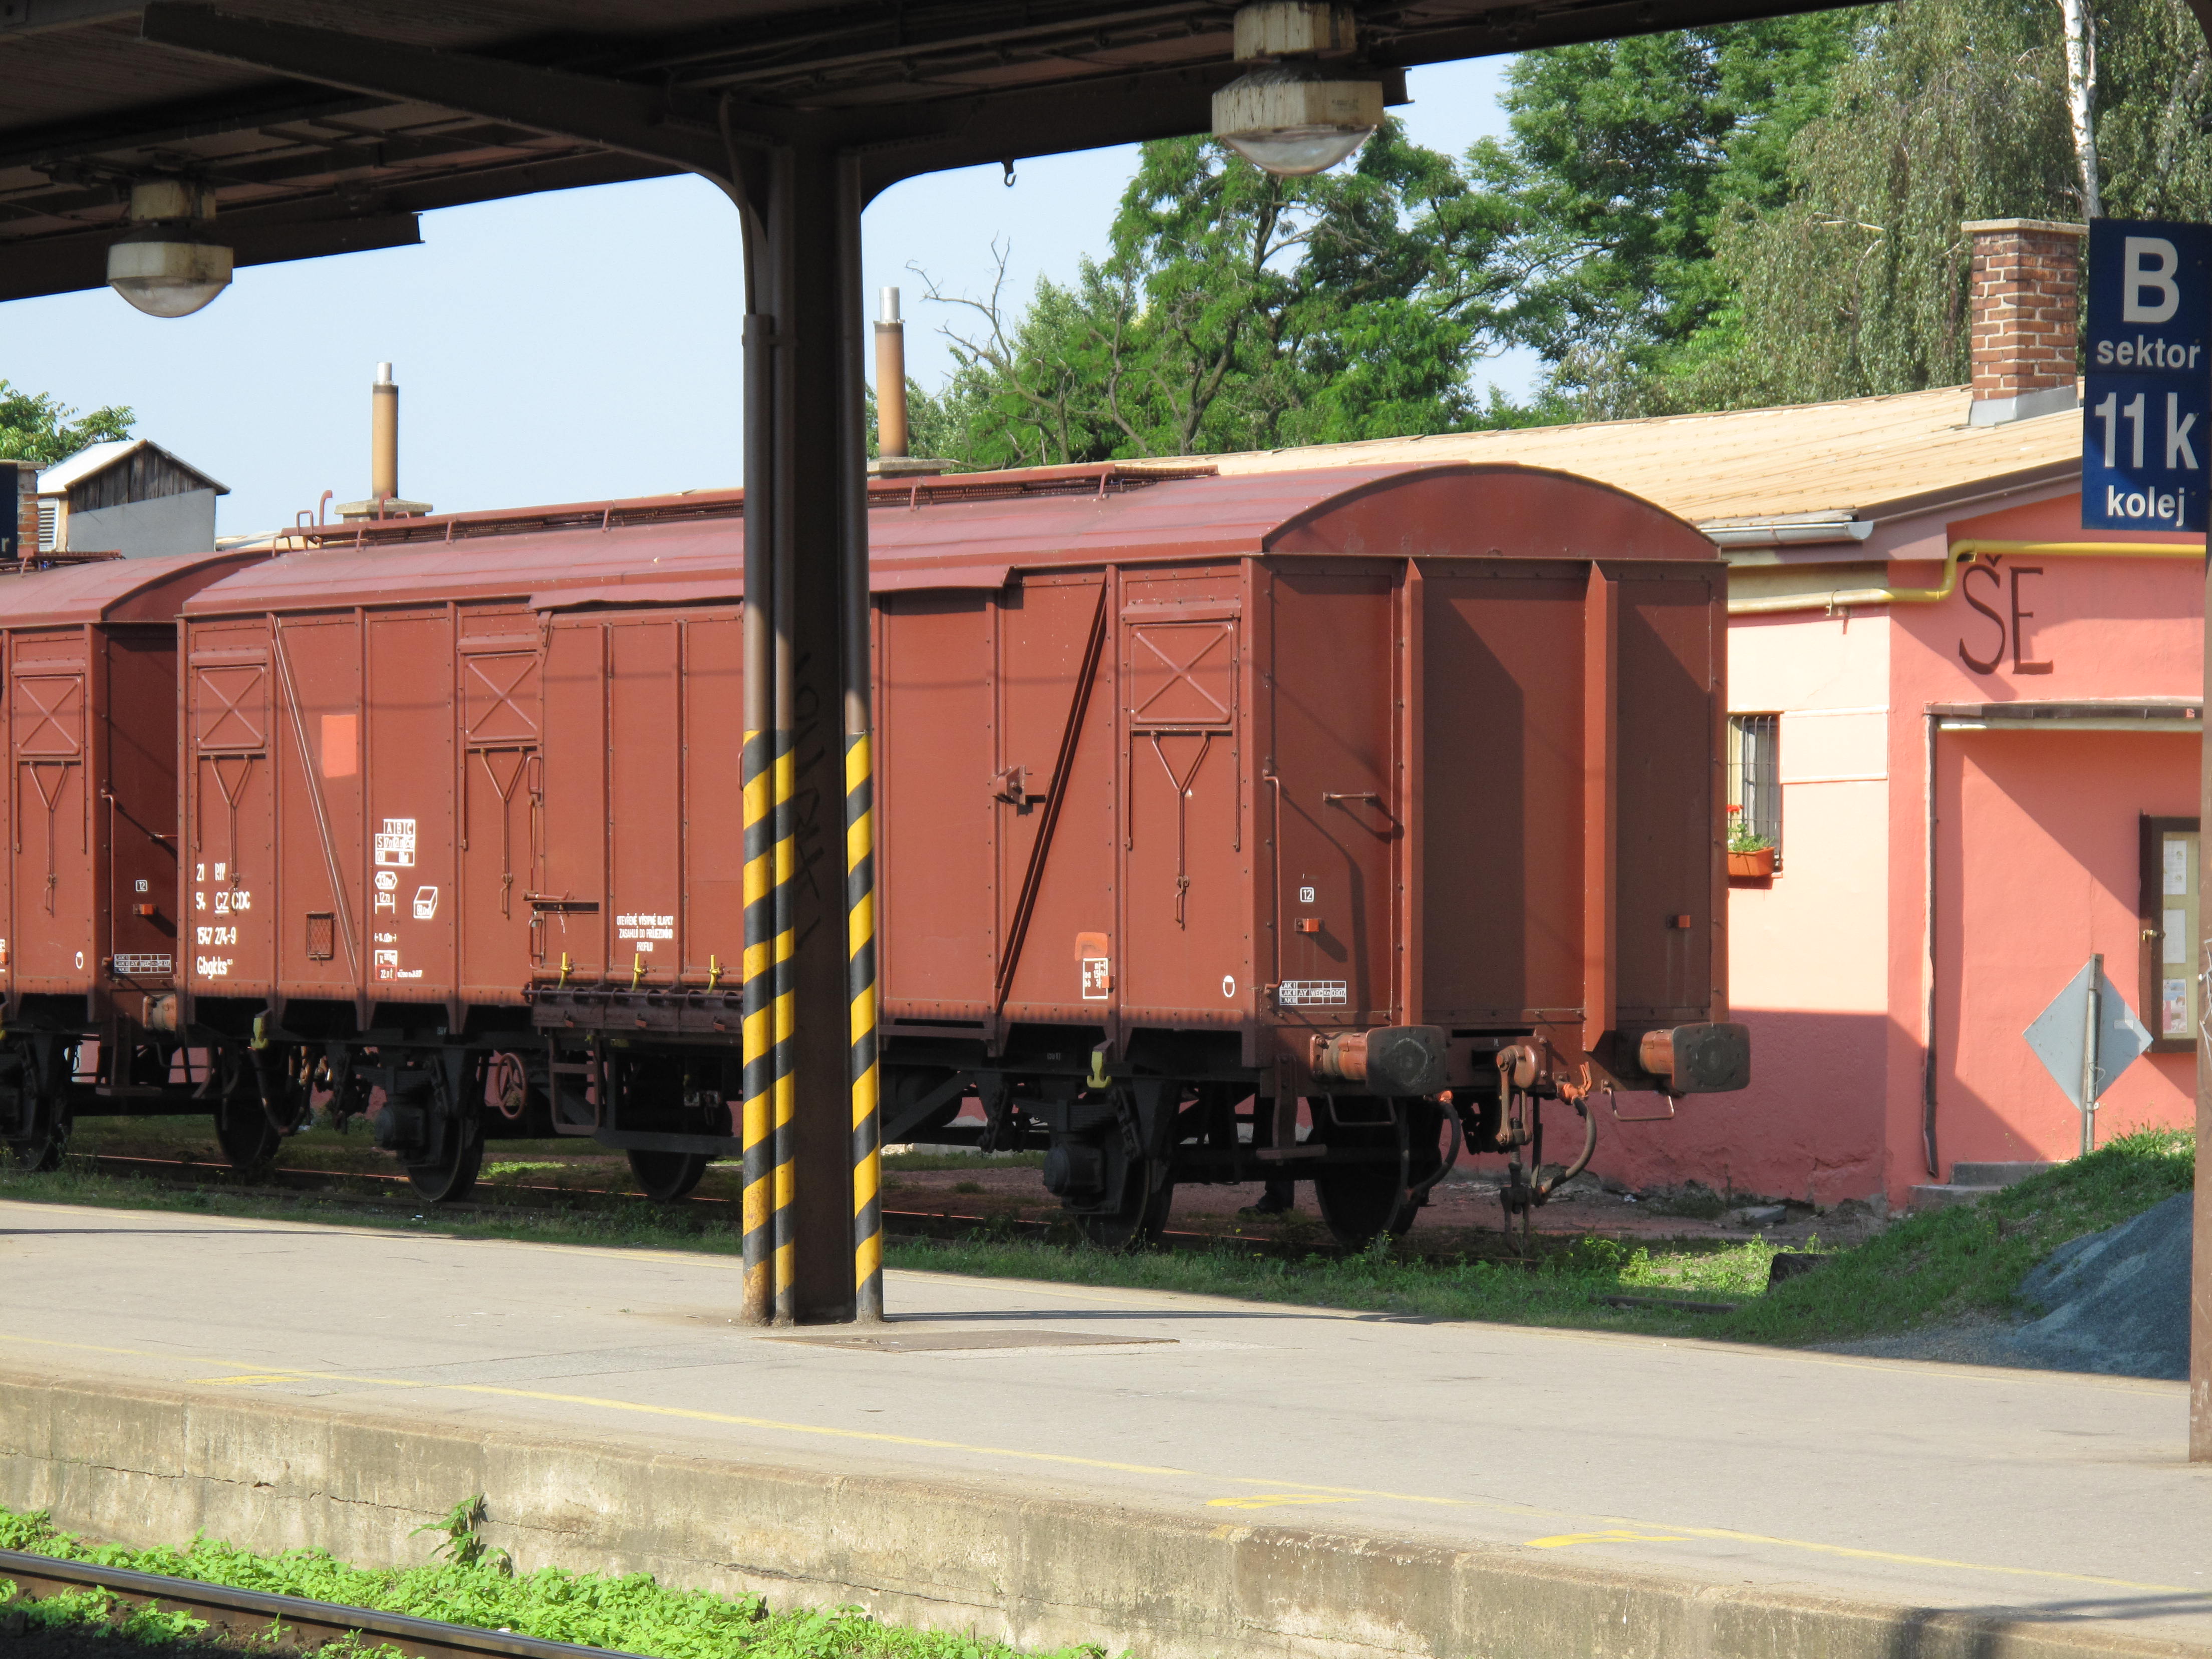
[243, 1130]
[667, 1176]
[450, 1178]
[1362, 1202]
[41, 1148]
[248, 1138]
[1142, 1217]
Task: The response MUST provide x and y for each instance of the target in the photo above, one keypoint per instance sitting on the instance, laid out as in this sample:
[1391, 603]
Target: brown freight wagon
[1393, 790]
[88, 878]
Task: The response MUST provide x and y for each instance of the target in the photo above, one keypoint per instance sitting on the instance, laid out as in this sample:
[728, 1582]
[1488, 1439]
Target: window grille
[1754, 777]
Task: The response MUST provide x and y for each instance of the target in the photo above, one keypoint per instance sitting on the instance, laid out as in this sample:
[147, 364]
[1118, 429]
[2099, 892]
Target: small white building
[130, 497]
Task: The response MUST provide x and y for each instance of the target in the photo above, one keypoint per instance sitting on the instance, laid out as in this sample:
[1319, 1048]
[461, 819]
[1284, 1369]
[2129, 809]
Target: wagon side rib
[1063, 768]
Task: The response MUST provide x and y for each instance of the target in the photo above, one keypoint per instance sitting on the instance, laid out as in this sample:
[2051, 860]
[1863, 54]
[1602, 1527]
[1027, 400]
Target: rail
[249, 1612]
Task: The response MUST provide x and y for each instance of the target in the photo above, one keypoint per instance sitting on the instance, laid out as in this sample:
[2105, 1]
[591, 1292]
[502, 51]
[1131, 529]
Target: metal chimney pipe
[383, 437]
[891, 379]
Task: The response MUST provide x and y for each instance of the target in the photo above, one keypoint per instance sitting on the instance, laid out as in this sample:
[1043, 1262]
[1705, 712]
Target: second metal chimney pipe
[891, 379]
[383, 437]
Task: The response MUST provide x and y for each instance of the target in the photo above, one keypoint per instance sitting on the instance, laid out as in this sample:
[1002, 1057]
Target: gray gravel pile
[2116, 1302]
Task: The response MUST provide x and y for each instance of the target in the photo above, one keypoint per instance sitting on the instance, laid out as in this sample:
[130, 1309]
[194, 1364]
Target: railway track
[391, 1192]
[251, 1612]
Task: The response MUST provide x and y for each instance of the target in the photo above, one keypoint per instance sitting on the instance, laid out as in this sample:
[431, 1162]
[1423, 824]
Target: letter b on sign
[2147, 402]
[2151, 295]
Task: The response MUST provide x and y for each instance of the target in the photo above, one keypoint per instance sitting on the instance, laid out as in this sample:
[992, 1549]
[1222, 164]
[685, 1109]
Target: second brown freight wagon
[1391, 792]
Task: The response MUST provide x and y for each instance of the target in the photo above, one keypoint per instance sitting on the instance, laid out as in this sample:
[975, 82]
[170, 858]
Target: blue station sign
[2147, 412]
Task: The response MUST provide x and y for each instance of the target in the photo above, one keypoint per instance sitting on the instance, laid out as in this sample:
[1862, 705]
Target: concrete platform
[1180, 1475]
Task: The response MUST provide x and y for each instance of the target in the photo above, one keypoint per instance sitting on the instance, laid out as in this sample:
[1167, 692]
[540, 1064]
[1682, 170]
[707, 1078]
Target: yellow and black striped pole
[784, 1051]
[860, 985]
[757, 793]
[759, 1058]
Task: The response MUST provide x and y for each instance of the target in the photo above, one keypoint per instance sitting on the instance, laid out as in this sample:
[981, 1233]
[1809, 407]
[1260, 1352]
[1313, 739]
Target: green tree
[1237, 310]
[1623, 161]
[1954, 110]
[36, 427]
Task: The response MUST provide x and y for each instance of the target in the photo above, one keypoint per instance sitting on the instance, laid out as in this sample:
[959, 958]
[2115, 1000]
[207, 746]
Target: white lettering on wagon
[395, 842]
[642, 929]
[1313, 994]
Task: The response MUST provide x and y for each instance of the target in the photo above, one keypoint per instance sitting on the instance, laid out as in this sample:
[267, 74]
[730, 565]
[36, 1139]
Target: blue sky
[563, 347]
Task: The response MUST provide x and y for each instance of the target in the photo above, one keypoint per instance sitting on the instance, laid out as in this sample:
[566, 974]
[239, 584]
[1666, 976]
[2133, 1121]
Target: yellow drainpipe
[1954, 559]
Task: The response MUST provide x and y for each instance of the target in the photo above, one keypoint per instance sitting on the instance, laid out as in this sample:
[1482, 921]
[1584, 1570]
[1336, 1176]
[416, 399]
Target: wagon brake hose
[1579, 1099]
[1419, 1195]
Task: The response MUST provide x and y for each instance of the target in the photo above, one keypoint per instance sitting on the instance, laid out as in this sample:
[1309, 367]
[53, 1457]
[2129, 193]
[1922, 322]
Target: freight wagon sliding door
[645, 798]
[502, 792]
[322, 942]
[1338, 811]
[140, 817]
[52, 834]
[568, 924]
[1667, 827]
[231, 824]
[1502, 854]
[1186, 896]
[411, 806]
[935, 791]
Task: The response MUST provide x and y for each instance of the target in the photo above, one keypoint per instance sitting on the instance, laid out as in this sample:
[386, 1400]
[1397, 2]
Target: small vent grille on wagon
[322, 935]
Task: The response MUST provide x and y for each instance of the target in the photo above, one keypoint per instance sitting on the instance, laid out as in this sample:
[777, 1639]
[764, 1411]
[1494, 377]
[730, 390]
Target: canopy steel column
[807, 1122]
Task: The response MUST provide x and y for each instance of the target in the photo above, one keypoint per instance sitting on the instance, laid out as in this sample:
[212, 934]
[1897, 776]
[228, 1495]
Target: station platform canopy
[317, 126]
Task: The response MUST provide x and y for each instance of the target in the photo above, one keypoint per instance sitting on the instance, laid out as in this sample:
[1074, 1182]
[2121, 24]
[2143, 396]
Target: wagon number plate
[143, 964]
[1312, 993]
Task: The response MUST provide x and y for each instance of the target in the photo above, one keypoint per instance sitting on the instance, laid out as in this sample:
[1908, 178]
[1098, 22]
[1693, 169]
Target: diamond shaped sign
[2059, 1030]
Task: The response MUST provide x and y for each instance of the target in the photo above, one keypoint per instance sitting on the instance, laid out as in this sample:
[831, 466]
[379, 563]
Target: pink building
[1972, 731]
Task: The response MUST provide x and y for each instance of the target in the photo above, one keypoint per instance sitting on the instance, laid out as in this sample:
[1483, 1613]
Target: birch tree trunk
[2082, 99]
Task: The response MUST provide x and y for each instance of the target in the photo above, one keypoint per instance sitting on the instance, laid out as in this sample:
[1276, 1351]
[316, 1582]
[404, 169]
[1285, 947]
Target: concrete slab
[1186, 1475]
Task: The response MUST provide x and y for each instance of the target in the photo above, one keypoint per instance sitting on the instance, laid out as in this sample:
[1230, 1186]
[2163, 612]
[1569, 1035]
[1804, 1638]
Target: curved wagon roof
[970, 531]
[146, 590]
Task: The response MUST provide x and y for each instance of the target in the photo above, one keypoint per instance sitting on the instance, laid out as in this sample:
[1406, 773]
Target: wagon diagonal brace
[251, 1612]
[1063, 768]
[345, 910]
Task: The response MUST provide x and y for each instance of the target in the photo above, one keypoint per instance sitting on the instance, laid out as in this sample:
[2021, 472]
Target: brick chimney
[2027, 277]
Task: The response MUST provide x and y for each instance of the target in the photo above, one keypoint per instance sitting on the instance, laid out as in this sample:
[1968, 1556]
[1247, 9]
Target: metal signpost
[2147, 412]
[2087, 1037]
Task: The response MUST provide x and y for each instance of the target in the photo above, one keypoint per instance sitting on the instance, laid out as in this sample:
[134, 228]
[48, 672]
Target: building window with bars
[1754, 784]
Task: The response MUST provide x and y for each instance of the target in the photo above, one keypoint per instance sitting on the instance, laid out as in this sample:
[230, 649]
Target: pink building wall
[2038, 864]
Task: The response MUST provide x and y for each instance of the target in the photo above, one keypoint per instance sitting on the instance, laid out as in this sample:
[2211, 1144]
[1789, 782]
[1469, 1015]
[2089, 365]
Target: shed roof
[971, 530]
[63, 475]
[1868, 458]
[150, 589]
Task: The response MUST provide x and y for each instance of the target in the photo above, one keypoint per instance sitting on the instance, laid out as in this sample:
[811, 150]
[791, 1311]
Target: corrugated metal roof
[972, 539]
[1867, 458]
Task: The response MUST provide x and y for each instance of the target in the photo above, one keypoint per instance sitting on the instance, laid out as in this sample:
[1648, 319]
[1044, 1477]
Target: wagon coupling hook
[1098, 1079]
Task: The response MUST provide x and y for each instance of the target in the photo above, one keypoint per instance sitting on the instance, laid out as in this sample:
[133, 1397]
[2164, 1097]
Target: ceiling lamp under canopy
[169, 263]
[1292, 114]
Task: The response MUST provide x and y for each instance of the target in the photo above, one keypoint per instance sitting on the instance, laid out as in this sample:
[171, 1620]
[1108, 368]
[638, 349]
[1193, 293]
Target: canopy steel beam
[66, 264]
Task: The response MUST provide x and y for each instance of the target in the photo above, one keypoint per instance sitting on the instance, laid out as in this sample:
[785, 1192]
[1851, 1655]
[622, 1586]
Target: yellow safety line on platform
[249, 1375]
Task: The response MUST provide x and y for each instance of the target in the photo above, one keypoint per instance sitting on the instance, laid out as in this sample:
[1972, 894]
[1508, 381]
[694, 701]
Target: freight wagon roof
[971, 531]
[147, 590]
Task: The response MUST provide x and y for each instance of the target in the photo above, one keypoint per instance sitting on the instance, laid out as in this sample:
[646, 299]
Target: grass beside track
[474, 1585]
[1926, 1269]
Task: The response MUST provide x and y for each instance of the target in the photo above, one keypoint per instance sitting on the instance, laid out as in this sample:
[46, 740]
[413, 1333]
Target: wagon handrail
[1063, 766]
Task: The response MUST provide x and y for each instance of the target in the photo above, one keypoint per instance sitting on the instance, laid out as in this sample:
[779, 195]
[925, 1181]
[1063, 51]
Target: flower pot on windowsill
[1757, 865]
